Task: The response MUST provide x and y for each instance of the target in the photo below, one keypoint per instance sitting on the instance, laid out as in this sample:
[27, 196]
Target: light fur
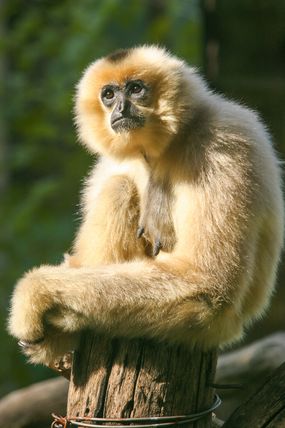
[201, 176]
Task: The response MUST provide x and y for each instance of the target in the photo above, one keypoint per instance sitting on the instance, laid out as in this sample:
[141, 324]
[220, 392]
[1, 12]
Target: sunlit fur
[201, 176]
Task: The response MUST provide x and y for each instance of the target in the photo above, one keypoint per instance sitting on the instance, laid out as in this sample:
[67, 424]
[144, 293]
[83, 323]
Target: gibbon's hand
[156, 222]
[156, 246]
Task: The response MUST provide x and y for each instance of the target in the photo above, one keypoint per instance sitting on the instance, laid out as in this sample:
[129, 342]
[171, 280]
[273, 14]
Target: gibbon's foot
[63, 365]
[53, 351]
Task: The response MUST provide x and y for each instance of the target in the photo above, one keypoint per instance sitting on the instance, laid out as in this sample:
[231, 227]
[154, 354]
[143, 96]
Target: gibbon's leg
[134, 299]
[108, 233]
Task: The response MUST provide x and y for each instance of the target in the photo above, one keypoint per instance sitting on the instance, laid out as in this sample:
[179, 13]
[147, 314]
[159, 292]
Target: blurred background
[238, 45]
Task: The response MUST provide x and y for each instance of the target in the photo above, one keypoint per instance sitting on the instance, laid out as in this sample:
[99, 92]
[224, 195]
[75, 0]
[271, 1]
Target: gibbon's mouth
[125, 124]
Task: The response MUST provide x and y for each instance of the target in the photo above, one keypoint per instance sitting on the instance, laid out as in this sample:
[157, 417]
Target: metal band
[151, 422]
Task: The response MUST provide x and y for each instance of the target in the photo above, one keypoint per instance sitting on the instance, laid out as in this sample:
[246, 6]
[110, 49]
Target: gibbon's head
[133, 101]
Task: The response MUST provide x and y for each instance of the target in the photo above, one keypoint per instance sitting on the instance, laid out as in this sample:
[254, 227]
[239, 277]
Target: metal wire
[151, 422]
[226, 385]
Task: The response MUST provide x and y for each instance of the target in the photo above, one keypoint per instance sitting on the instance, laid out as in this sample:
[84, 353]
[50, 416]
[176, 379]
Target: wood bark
[265, 408]
[138, 378]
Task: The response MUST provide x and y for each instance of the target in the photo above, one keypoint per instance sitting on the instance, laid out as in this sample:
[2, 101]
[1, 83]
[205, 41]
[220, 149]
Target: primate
[182, 223]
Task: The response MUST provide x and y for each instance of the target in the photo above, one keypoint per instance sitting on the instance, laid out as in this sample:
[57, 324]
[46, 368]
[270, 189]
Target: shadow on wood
[137, 378]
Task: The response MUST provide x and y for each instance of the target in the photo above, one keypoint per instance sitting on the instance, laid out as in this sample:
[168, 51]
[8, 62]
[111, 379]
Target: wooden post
[137, 378]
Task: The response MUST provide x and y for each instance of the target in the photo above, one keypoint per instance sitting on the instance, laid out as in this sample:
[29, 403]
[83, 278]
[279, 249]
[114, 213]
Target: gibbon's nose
[123, 105]
[122, 110]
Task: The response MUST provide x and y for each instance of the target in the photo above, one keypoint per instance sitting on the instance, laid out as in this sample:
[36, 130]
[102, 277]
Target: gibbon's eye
[108, 93]
[136, 88]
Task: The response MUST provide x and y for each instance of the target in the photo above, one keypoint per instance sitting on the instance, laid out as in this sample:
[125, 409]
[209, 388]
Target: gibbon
[182, 215]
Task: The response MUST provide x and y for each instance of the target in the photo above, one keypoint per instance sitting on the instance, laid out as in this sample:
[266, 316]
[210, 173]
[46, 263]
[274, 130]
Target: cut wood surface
[265, 408]
[119, 378]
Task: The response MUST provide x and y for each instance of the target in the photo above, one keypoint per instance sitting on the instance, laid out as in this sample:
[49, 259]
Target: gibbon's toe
[24, 344]
[50, 349]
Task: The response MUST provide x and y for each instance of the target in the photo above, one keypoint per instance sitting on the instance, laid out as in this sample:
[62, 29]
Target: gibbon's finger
[157, 247]
[140, 231]
[27, 344]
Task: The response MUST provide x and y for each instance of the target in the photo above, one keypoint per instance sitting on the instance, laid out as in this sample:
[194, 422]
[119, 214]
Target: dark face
[124, 101]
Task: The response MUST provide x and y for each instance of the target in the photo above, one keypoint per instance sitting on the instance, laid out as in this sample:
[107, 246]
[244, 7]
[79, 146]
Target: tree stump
[116, 378]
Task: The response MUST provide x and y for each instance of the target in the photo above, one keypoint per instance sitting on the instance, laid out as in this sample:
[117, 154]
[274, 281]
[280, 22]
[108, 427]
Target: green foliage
[44, 49]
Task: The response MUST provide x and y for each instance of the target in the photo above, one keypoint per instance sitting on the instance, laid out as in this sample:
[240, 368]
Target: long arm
[132, 300]
[111, 215]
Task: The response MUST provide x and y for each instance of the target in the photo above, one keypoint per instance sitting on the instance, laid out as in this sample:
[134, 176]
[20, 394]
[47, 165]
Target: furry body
[200, 181]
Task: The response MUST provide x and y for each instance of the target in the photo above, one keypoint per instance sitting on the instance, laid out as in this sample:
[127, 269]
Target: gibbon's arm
[181, 297]
[111, 216]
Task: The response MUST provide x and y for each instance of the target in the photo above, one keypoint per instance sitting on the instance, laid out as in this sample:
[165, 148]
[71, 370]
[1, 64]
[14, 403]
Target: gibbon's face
[124, 102]
[130, 102]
